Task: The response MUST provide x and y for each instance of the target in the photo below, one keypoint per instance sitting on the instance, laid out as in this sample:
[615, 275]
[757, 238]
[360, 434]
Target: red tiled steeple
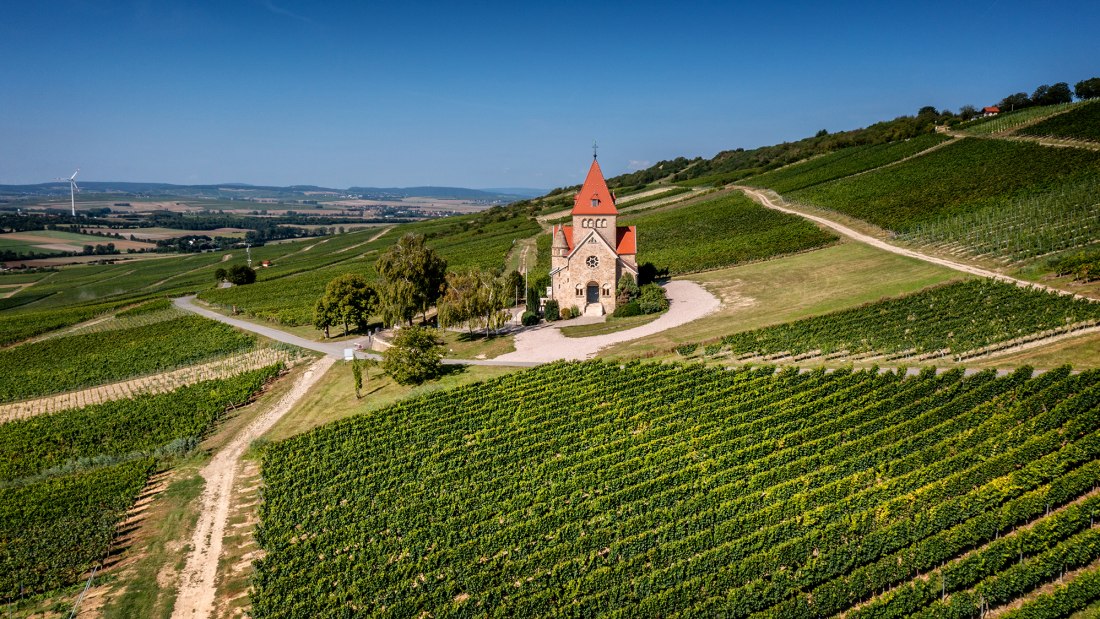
[594, 198]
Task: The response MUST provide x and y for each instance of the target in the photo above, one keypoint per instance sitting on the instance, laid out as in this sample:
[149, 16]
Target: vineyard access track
[195, 599]
[763, 199]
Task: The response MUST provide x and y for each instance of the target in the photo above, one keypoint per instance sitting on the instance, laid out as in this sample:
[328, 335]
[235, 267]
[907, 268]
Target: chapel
[589, 257]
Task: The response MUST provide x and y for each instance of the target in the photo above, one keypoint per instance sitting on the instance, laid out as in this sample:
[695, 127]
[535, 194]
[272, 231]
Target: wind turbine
[72, 189]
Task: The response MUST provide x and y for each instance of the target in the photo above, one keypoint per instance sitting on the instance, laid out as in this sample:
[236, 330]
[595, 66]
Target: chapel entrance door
[593, 293]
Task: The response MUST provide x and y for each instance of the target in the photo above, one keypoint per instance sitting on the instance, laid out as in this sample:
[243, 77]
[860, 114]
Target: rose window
[592, 262]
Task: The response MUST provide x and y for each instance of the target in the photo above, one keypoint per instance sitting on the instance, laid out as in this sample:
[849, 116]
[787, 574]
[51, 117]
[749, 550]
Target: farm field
[157, 234]
[944, 321]
[719, 233]
[688, 490]
[1081, 123]
[958, 179]
[841, 163]
[70, 241]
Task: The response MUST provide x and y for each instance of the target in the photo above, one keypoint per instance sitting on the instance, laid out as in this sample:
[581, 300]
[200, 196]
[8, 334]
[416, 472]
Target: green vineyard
[957, 179]
[68, 478]
[287, 295]
[94, 358]
[950, 319]
[1080, 123]
[841, 163]
[719, 233]
[643, 490]
[1022, 229]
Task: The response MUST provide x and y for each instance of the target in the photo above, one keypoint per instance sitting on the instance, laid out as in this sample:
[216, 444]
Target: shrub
[712, 349]
[416, 356]
[630, 309]
[686, 349]
[551, 310]
[652, 299]
[240, 275]
[529, 319]
[566, 313]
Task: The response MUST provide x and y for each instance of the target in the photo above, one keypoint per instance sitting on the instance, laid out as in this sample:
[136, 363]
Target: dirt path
[198, 579]
[762, 198]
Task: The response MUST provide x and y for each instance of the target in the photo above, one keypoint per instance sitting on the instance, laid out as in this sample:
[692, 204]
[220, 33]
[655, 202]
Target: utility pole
[248, 252]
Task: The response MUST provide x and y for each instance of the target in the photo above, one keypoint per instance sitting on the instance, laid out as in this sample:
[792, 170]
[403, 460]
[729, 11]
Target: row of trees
[1050, 94]
[412, 279]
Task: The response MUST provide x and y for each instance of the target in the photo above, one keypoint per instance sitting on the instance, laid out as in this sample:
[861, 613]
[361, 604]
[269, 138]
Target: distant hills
[241, 191]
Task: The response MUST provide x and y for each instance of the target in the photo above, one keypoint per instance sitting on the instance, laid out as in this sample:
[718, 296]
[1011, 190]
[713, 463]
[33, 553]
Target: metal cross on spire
[594, 147]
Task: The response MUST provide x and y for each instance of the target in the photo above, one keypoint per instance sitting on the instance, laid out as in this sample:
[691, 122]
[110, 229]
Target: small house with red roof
[588, 257]
[990, 110]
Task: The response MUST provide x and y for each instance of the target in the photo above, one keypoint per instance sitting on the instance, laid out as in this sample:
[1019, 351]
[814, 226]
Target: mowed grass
[333, 396]
[958, 178]
[793, 287]
[717, 233]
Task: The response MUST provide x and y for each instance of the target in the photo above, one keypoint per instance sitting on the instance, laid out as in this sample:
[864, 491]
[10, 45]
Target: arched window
[602, 223]
[607, 290]
[580, 290]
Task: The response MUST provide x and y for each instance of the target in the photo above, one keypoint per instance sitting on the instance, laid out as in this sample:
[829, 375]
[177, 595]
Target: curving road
[688, 301]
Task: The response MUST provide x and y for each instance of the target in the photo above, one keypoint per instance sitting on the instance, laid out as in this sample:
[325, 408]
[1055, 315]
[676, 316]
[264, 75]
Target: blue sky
[488, 94]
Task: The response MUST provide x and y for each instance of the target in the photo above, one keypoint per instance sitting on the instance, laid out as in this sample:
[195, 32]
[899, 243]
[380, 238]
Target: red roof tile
[568, 231]
[594, 189]
[626, 240]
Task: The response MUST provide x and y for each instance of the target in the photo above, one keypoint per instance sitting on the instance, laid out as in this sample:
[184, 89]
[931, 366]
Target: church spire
[594, 198]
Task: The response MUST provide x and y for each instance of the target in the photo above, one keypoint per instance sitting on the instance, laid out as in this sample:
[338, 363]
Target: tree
[415, 273]
[1017, 101]
[240, 275]
[348, 299]
[220, 274]
[324, 315]
[1087, 89]
[416, 356]
[1051, 95]
[475, 297]
[968, 112]
[627, 290]
[552, 310]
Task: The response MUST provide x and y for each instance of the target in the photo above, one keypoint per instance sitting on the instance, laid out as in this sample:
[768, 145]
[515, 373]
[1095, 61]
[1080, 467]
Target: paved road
[331, 349]
[688, 301]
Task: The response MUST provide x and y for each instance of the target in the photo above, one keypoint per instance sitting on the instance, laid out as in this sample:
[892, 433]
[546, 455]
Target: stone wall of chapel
[579, 273]
[605, 225]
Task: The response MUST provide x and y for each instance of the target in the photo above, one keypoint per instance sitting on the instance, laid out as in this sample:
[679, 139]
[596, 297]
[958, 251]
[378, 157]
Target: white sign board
[349, 354]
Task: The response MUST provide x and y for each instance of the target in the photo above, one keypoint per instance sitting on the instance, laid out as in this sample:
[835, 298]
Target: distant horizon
[284, 92]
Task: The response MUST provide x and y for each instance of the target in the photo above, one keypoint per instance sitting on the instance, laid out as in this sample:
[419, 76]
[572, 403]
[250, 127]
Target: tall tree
[348, 299]
[1087, 89]
[1017, 101]
[1052, 94]
[324, 315]
[412, 274]
[476, 298]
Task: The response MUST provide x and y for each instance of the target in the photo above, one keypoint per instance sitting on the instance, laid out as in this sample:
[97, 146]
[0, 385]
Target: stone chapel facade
[589, 257]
